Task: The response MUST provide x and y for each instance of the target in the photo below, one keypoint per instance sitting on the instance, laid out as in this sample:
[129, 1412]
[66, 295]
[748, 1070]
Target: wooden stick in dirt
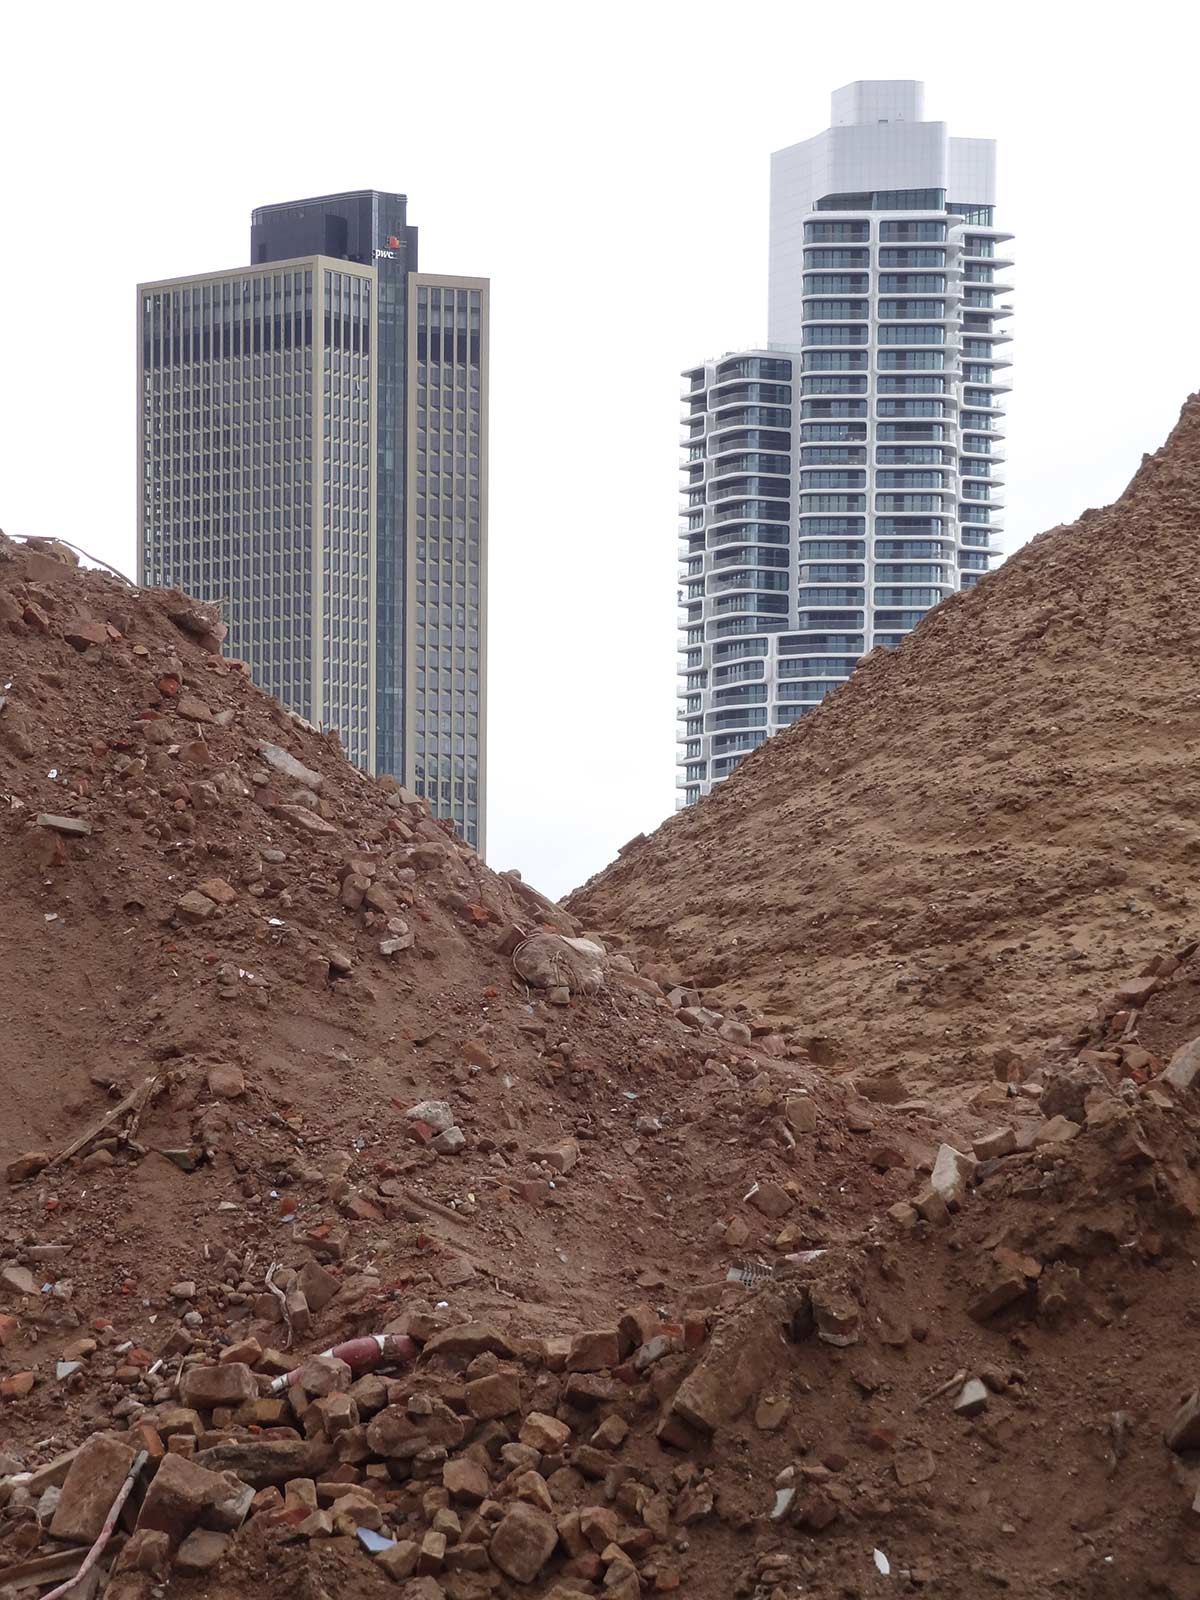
[942, 1388]
[432, 1207]
[134, 1101]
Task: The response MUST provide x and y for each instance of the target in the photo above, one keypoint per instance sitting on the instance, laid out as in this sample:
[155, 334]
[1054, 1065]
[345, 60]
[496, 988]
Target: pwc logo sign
[393, 245]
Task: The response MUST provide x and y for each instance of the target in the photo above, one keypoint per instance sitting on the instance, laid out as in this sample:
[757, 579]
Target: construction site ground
[806, 1209]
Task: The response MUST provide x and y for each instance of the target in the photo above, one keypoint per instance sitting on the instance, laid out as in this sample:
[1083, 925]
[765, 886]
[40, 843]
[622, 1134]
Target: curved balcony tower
[848, 476]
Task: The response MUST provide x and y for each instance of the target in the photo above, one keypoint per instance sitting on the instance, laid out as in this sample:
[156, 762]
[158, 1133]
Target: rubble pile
[981, 830]
[978, 1383]
[372, 1226]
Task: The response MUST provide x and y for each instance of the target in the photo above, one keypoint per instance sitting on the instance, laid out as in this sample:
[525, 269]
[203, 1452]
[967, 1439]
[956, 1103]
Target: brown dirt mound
[230, 974]
[982, 828]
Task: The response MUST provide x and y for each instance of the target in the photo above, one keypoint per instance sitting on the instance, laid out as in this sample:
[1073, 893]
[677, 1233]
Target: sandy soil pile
[982, 829]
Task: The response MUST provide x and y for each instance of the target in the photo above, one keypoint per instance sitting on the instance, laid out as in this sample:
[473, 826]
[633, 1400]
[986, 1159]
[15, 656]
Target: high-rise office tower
[314, 457]
[845, 478]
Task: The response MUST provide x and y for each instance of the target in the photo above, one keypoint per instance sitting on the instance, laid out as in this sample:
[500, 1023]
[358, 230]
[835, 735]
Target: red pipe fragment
[359, 1355]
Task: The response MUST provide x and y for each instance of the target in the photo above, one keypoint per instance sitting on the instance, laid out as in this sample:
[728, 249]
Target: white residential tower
[843, 480]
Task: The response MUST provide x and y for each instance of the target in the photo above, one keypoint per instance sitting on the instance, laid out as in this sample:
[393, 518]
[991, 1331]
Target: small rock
[399, 1560]
[436, 1113]
[92, 1482]
[561, 1156]
[282, 761]
[497, 1395]
[836, 1315]
[470, 1339]
[544, 1433]
[26, 1166]
[531, 1486]
[226, 1082]
[218, 891]
[771, 1414]
[1184, 1066]
[203, 1388]
[260, 1462]
[324, 1375]
[913, 1464]
[432, 1555]
[611, 1434]
[18, 1280]
[883, 1088]
[466, 1480]
[772, 1199]
[317, 1525]
[1136, 991]
[301, 817]
[179, 1494]
[200, 1552]
[653, 1350]
[594, 1350]
[991, 1146]
[800, 1114]
[84, 635]
[1004, 1284]
[930, 1206]
[57, 824]
[317, 1285]
[952, 1171]
[523, 1542]
[972, 1398]
[195, 907]
[1057, 1130]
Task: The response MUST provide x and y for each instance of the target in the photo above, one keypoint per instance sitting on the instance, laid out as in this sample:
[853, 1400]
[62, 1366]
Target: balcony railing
[775, 488]
[749, 578]
[752, 533]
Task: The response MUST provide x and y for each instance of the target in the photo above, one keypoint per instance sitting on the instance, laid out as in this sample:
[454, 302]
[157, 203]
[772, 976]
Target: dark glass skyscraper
[224, 484]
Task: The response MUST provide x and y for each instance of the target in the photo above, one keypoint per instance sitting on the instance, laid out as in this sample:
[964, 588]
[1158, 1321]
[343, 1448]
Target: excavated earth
[982, 829]
[705, 1293]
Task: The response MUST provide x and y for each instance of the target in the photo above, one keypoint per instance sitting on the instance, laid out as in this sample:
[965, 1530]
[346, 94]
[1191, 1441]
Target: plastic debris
[372, 1541]
[751, 1273]
[882, 1563]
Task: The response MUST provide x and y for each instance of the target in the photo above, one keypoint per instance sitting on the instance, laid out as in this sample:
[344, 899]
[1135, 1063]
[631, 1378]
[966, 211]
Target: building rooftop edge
[262, 268]
[321, 199]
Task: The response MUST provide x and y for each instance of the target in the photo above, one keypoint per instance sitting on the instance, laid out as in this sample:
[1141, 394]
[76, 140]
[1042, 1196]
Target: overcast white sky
[607, 168]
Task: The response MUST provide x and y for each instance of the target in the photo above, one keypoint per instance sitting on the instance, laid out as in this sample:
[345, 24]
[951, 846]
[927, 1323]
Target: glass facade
[879, 516]
[369, 227]
[281, 444]
[257, 489]
[448, 331]
[431, 496]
